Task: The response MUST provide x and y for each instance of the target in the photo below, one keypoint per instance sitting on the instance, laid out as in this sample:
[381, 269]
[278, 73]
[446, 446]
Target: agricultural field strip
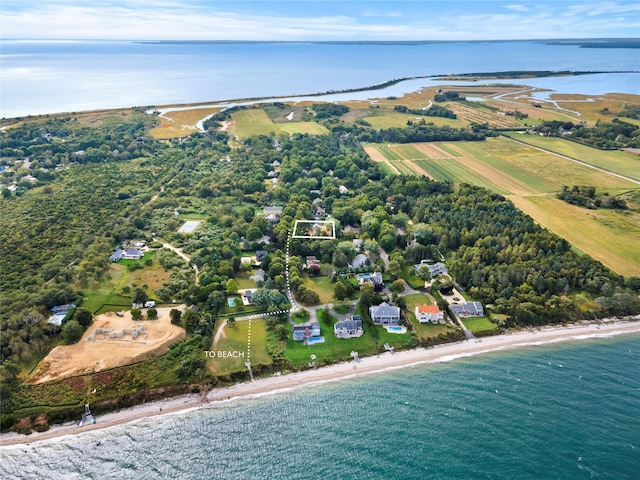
[542, 172]
[496, 165]
[585, 230]
[575, 160]
[477, 116]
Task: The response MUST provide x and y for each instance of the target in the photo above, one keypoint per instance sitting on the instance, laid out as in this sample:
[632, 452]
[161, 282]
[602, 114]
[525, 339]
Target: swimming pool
[312, 340]
[231, 302]
[396, 329]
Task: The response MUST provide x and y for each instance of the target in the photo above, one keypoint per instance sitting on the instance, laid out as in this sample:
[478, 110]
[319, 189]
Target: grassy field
[322, 285]
[107, 295]
[608, 236]
[399, 120]
[611, 160]
[478, 324]
[251, 122]
[235, 339]
[312, 128]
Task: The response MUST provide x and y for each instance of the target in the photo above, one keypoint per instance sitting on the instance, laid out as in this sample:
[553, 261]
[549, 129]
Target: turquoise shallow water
[559, 411]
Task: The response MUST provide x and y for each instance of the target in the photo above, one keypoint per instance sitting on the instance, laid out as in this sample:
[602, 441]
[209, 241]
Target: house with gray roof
[385, 314]
[375, 278]
[435, 269]
[350, 328]
[359, 261]
[117, 255]
[468, 309]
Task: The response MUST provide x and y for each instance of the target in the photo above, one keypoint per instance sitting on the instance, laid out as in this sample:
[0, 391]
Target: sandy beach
[367, 365]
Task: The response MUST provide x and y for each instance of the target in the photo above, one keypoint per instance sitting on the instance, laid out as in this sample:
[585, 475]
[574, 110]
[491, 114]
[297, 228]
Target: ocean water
[48, 77]
[556, 411]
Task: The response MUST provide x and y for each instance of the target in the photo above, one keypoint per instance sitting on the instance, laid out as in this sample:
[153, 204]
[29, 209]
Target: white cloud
[517, 8]
[191, 20]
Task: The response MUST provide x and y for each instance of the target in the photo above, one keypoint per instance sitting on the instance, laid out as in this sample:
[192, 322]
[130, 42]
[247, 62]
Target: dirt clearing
[103, 351]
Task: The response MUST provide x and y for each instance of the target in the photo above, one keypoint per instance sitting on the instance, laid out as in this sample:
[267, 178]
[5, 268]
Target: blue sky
[317, 19]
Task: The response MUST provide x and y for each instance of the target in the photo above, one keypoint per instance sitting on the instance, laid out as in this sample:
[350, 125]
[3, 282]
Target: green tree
[175, 315]
[231, 321]
[340, 291]
[232, 286]
[136, 313]
[140, 296]
[282, 332]
[72, 331]
[152, 313]
[83, 316]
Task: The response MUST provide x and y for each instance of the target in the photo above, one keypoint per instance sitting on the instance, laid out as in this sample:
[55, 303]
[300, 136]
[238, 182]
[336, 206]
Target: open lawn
[611, 160]
[252, 122]
[312, 128]
[236, 339]
[243, 280]
[322, 286]
[478, 324]
[108, 294]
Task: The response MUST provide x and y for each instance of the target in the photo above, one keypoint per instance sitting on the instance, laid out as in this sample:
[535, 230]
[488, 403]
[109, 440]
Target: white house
[385, 314]
[429, 314]
[435, 269]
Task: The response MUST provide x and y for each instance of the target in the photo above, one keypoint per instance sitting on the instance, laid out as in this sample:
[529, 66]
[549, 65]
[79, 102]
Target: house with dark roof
[117, 255]
[304, 331]
[468, 309]
[385, 314]
[260, 255]
[132, 254]
[350, 328]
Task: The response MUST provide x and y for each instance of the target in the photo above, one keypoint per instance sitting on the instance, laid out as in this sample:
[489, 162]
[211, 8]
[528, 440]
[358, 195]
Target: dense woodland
[605, 135]
[57, 234]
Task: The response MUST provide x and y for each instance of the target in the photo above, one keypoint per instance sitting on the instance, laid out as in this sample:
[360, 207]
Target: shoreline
[383, 362]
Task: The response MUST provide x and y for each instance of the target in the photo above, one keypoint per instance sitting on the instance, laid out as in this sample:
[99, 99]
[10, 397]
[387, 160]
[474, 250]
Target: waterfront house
[429, 314]
[350, 328]
[385, 314]
[468, 309]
